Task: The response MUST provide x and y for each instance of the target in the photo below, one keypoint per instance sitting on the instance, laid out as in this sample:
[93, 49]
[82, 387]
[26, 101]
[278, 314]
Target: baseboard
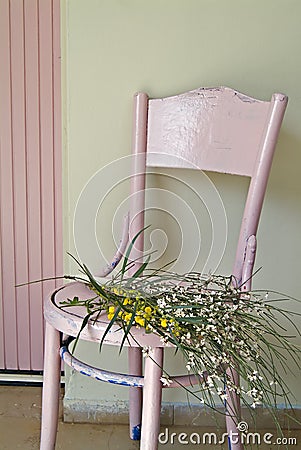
[176, 414]
[23, 378]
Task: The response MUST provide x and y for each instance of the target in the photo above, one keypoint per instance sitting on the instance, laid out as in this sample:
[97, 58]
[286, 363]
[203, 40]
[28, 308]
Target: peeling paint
[99, 374]
[245, 98]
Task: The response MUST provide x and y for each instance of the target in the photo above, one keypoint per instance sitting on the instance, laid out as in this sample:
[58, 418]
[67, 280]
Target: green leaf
[141, 268]
[129, 249]
[84, 323]
[113, 320]
[128, 328]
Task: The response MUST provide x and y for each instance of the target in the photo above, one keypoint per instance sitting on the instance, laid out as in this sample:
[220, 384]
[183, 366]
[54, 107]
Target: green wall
[113, 48]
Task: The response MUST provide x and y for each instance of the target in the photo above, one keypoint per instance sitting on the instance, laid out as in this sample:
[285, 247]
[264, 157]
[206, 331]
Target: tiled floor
[20, 409]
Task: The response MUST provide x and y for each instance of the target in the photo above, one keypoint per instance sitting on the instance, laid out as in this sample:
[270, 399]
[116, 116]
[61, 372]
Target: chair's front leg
[233, 413]
[152, 394]
[135, 394]
[51, 388]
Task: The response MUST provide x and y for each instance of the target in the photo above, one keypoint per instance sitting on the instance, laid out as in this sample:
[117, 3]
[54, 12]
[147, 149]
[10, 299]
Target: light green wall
[113, 48]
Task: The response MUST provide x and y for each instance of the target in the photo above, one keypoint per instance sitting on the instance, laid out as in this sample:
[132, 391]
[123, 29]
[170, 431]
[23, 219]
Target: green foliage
[216, 326]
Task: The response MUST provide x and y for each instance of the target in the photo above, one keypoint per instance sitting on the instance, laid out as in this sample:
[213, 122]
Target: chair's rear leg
[233, 413]
[51, 388]
[135, 394]
[233, 401]
[152, 393]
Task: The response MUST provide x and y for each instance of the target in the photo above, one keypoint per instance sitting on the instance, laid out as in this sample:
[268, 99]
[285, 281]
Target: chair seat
[69, 319]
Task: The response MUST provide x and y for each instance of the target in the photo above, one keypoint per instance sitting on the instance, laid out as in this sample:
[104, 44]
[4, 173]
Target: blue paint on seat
[121, 383]
[136, 433]
[85, 373]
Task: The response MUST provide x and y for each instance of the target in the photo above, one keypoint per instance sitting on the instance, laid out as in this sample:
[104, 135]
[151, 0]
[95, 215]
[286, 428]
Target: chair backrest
[214, 129]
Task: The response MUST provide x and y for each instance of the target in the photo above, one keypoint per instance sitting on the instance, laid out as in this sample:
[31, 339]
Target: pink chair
[214, 129]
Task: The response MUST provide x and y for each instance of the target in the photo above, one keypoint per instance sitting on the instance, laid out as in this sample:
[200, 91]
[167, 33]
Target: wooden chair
[214, 129]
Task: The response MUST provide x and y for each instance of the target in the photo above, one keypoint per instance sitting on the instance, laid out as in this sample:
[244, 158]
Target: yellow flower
[118, 291]
[128, 317]
[126, 301]
[148, 310]
[164, 323]
[140, 321]
[111, 312]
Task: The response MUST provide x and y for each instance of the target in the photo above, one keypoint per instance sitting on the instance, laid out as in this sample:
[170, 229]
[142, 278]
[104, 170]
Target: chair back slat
[215, 129]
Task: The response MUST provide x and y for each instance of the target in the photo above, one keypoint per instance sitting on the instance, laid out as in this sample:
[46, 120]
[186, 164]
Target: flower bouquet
[216, 325]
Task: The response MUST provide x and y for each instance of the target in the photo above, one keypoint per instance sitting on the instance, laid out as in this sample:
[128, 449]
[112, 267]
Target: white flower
[254, 404]
[164, 340]
[145, 351]
[165, 381]
[161, 303]
[209, 382]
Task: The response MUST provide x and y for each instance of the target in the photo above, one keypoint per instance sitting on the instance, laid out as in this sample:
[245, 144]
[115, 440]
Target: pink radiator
[31, 174]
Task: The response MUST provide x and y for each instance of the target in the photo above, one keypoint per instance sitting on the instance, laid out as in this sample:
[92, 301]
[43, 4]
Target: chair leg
[152, 394]
[135, 394]
[233, 414]
[51, 388]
